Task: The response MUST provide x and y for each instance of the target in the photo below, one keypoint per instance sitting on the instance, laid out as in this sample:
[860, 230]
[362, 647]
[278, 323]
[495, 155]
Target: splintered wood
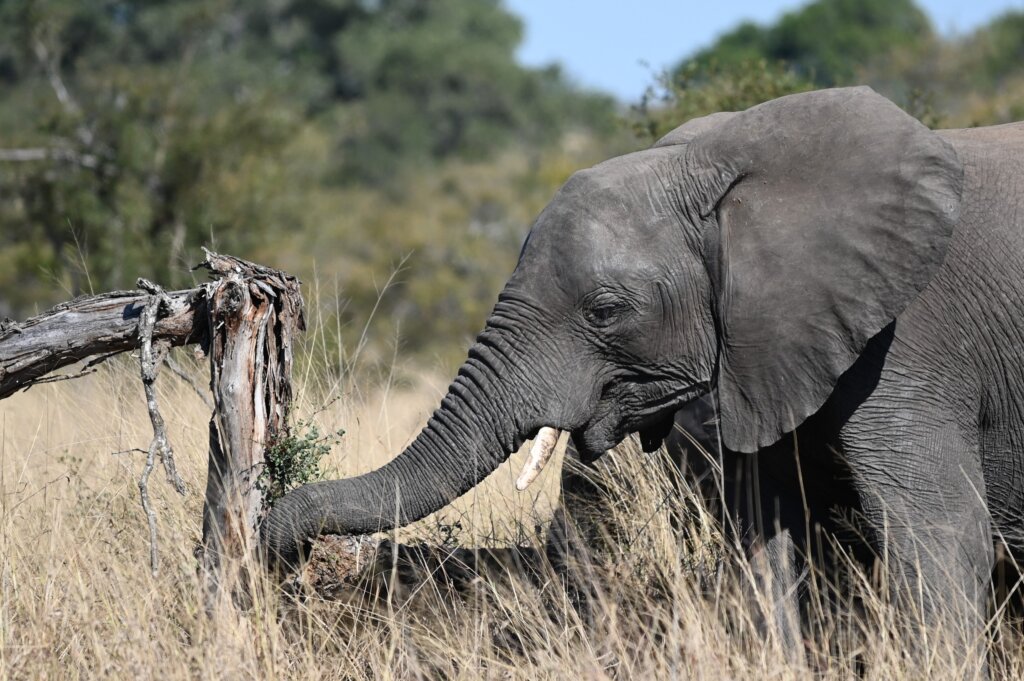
[253, 314]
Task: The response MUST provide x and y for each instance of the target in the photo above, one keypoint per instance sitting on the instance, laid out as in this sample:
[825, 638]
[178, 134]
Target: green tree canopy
[827, 40]
[131, 131]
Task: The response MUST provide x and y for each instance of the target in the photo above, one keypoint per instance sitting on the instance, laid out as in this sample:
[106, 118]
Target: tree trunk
[254, 314]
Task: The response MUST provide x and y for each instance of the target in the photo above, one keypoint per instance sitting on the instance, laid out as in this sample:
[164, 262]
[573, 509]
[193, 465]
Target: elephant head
[753, 252]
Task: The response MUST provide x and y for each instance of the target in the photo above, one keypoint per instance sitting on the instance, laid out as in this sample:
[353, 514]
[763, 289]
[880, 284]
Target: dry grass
[77, 599]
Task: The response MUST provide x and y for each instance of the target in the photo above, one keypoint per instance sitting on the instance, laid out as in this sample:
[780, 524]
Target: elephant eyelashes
[604, 310]
[603, 315]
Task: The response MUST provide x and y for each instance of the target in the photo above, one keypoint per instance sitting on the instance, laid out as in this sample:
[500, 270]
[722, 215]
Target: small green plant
[293, 459]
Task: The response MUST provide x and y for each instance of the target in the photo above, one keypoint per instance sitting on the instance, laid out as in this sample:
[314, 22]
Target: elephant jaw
[602, 433]
[544, 443]
[540, 453]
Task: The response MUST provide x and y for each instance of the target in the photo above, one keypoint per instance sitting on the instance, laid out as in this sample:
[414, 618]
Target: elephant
[848, 282]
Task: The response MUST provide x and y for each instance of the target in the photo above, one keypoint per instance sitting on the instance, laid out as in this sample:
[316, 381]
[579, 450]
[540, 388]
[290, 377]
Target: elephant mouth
[607, 427]
[612, 422]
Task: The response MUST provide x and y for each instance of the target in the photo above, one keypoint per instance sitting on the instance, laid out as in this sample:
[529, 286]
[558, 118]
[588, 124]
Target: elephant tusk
[540, 452]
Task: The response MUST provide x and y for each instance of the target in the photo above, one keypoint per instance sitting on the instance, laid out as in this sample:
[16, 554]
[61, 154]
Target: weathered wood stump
[253, 313]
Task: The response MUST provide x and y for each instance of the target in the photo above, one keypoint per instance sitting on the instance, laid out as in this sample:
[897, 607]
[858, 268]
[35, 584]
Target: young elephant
[847, 280]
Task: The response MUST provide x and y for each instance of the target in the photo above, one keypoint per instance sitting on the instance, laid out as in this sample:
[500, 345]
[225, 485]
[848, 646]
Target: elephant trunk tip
[288, 531]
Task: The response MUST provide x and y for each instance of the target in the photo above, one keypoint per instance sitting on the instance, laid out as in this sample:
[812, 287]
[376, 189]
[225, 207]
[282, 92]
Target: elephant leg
[922, 495]
[778, 580]
[583, 530]
[767, 512]
[581, 522]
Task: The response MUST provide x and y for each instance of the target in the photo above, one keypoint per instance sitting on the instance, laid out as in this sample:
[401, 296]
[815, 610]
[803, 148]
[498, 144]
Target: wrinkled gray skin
[844, 277]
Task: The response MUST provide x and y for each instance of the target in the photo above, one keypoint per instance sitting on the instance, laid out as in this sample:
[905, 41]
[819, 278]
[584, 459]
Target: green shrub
[293, 459]
[698, 89]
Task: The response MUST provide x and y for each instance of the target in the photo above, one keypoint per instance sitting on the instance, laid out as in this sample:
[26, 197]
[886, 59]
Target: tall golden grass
[77, 599]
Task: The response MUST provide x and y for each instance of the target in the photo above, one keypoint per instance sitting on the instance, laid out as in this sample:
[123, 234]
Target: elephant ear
[692, 128]
[834, 209]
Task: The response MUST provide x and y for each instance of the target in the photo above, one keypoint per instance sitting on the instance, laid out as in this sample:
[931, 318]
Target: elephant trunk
[478, 425]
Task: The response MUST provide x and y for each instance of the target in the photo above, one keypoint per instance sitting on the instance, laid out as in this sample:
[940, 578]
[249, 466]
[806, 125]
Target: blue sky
[601, 43]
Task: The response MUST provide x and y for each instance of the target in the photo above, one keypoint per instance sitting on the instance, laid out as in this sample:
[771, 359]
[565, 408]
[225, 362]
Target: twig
[130, 450]
[51, 65]
[100, 360]
[154, 555]
[151, 356]
[60, 377]
[89, 368]
[180, 372]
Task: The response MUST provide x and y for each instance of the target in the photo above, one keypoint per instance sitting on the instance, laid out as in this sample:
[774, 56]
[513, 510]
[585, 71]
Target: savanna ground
[77, 599]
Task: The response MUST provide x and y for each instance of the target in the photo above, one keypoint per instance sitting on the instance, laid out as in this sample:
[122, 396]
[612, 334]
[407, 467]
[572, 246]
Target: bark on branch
[89, 326]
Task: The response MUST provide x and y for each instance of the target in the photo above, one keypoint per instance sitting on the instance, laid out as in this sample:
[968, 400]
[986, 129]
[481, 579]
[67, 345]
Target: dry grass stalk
[667, 603]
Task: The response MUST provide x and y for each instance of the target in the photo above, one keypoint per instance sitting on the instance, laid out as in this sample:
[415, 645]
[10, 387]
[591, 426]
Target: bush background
[392, 153]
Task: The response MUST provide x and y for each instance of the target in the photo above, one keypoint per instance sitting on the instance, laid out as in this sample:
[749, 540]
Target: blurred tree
[130, 132]
[435, 80]
[827, 40]
[136, 130]
[999, 48]
[889, 44]
[700, 88]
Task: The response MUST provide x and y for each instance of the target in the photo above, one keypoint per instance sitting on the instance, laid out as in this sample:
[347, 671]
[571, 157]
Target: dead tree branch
[151, 356]
[245, 319]
[25, 155]
[56, 153]
[92, 325]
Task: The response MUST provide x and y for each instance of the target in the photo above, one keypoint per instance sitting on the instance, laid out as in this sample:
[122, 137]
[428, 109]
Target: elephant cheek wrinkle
[540, 453]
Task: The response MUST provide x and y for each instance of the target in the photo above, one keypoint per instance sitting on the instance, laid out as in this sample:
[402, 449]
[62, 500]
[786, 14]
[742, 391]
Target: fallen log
[339, 566]
[91, 326]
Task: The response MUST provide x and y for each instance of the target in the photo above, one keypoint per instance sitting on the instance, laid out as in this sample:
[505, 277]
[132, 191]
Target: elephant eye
[604, 310]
